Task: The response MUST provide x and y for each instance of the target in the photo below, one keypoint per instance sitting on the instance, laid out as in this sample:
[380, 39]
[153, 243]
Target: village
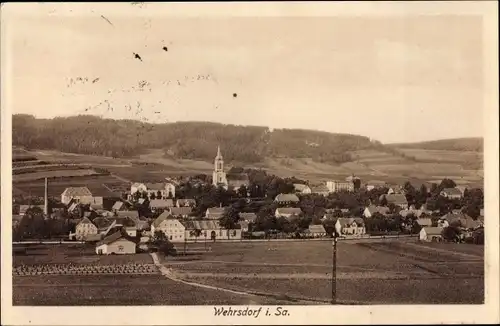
[234, 207]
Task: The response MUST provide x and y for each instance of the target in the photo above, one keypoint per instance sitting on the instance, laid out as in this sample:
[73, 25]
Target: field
[97, 184]
[109, 288]
[390, 271]
[429, 166]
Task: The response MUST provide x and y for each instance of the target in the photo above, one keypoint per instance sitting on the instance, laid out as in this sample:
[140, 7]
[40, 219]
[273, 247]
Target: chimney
[46, 202]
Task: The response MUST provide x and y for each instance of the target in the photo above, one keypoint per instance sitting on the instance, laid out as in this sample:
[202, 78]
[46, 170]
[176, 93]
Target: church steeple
[219, 176]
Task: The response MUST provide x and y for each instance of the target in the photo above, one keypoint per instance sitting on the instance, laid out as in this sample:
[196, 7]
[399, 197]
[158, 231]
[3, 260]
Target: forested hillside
[183, 140]
[457, 144]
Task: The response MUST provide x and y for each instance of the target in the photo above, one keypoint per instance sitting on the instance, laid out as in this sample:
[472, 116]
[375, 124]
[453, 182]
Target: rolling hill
[142, 151]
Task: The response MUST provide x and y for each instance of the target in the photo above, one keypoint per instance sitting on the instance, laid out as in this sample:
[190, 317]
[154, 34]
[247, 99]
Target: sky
[397, 78]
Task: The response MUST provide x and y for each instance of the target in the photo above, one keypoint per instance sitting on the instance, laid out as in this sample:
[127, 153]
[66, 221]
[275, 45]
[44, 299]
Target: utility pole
[334, 269]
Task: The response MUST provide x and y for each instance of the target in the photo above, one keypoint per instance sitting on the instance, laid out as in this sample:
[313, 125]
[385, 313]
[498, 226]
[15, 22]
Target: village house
[244, 226]
[84, 229]
[372, 209]
[396, 199]
[451, 193]
[350, 226]
[287, 212]
[160, 190]
[185, 203]
[24, 208]
[180, 212]
[156, 204]
[214, 213]
[16, 221]
[373, 184]
[137, 187]
[337, 186]
[235, 182]
[320, 190]
[415, 212]
[96, 203]
[247, 217]
[317, 231]
[460, 220]
[286, 199]
[173, 229]
[128, 224]
[130, 214]
[431, 234]
[116, 243]
[209, 230]
[301, 189]
[424, 222]
[103, 224]
[119, 206]
[78, 194]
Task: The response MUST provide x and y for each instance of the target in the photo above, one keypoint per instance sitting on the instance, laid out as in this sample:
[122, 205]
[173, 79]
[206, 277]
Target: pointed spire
[218, 151]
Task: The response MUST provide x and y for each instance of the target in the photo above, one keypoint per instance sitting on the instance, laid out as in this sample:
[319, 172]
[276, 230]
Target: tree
[447, 183]
[153, 196]
[383, 201]
[451, 233]
[357, 183]
[162, 244]
[243, 191]
[229, 219]
[195, 233]
[158, 195]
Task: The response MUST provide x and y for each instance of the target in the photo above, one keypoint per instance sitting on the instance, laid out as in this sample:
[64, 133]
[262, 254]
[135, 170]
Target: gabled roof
[102, 222]
[432, 230]
[132, 214]
[24, 208]
[161, 203]
[181, 211]
[378, 209]
[126, 221]
[288, 210]
[301, 187]
[236, 183]
[396, 199]
[424, 222]
[250, 217]
[155, 186]
[319, 189]
[317, 228]
[185, 202]
[452, 191]
[137, 184]
[76, 191]
[114, 237]
[243, 224]
[141, 201]
[286, 198]
[163, 216]
[347, 221]
[201, 225]
[118, 205]
[216, 210]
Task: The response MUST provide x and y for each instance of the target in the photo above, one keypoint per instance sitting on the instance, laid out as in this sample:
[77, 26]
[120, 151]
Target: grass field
[434, 165]
[368, 272]
[96, 185]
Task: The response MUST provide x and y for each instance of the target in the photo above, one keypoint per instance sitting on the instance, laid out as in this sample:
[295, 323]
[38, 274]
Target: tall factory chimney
[46, 202]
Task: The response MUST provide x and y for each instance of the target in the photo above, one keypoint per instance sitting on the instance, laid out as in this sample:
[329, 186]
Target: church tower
[219, 176]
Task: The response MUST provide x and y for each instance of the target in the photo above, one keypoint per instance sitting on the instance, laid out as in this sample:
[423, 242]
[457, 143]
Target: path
[168, 273]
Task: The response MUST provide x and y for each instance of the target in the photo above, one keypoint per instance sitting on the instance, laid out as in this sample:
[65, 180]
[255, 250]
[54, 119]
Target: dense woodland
[183, 140]
[457, 144]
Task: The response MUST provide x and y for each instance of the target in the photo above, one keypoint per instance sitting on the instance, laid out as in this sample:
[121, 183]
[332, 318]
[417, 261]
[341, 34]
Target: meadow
[368, 272]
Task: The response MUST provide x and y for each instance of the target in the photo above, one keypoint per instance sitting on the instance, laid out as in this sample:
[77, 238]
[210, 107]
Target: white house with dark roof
[78, 194]
[84, 229]
[185, 202]
[285, 199]
[337, 186]
[116, 243]
[287, 212]
[350, 226]
[301, 188]
[431, 234]
[317, 231]
[155, 204]
[214, 213]
[210, 230]
[372, 209]
[396, 199]
[171, 227]
[183, 212]
[451, 193]
[248, 217]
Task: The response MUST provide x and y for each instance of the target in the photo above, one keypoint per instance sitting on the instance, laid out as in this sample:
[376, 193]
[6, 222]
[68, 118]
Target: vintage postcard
[249, 163]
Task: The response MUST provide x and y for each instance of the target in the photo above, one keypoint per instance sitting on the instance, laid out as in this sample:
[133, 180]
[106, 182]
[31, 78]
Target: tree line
[183, 140]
